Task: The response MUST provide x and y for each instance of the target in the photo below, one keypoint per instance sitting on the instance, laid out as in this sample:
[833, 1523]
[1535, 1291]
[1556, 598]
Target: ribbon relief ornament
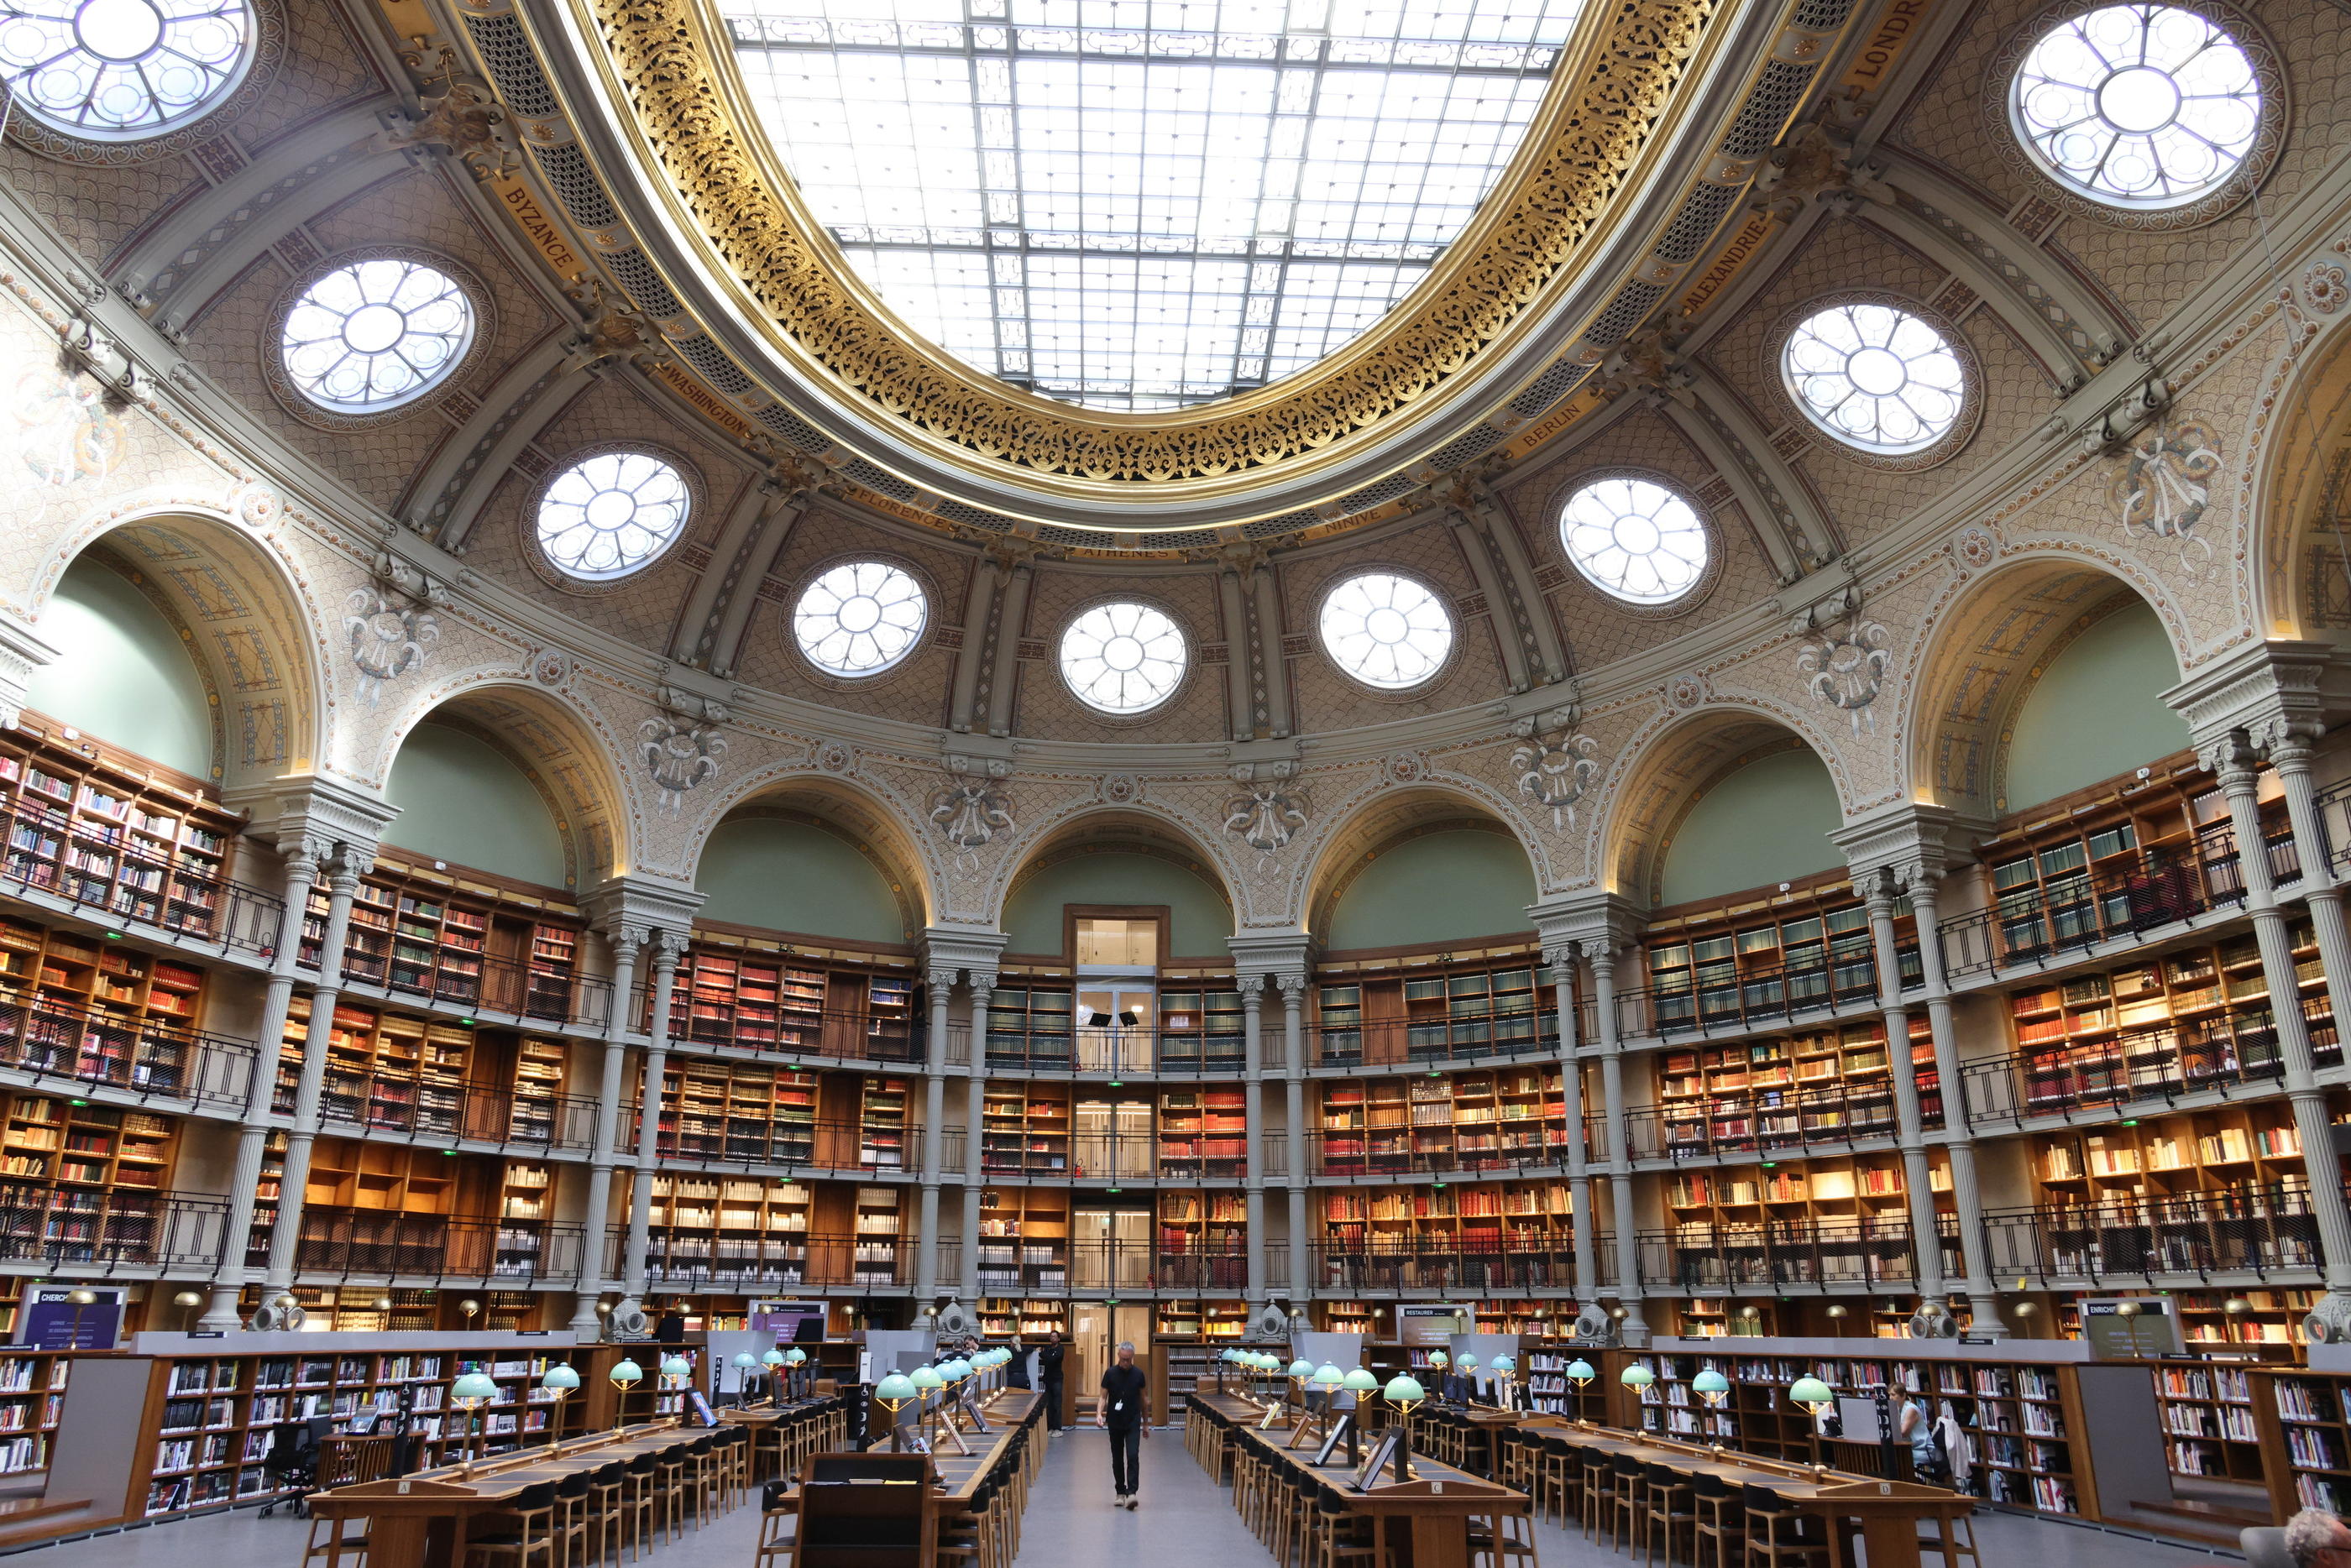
[1556, 768]
[1847, 669]
[2164, 486]
[971, 811]
[1266, 817]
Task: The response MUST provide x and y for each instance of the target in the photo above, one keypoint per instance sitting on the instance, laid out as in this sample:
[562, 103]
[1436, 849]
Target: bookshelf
[83, 1183]
[540, 1069]
[756, 1002]
[2266, 1321]
[107, 829]
[419, 931]
[1029, 1025]
[1029, 1321]
[87, 1007]
[883, 1125]
[32, 1395]
[1390, 1232]
[1831, 1220]
[1825, 1083]
[1201, 1029]
[2301, 1420]
[1814, 951]
[1484, 1120]
[724, 1110]
[1202, 1241]
[1025, 1131]
[741, 1227]
[1203, 1134]
[1437, 1013]
[1024, 1242]
[2208, 1419]
[389, 1070]
[880, 1224]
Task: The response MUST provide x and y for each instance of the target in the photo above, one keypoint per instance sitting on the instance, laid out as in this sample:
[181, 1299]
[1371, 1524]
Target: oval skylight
[1137, 207]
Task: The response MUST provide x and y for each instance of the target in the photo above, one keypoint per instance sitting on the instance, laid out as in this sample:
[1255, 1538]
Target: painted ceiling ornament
[1975, 547]
[1121, 789]
[2328, 285]
[550, 668]
[389, 639]
[834, 757]
[1404, 767]
[1556, 767]
[1266, 816]
[258, 505]
[2165, 484]
[1847, 668]
[974, 809]
[1687, 691]
[682, 754]
[66, 429]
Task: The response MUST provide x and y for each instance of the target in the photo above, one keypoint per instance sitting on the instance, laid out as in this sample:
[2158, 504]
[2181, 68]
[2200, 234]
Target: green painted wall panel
[1439, 888]
[1766, 823]
[791, 877]
[122, 673]
[2098, 710]
[461, 800]
[1199, 919]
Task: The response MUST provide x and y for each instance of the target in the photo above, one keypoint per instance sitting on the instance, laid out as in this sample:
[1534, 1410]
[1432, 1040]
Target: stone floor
[1183, 1522]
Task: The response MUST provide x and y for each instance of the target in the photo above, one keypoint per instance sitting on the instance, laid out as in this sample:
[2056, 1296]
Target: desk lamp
[469, 1394]
[560, 1381]
[797, 1359]
[625, 1375]
[1505, 1368]
[1816, 1397]
[894, 1394]
[1359, 1381]
[1405, 1393]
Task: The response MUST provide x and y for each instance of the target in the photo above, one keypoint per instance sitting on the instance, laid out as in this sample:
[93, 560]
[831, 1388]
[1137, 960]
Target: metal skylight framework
[1138, 205]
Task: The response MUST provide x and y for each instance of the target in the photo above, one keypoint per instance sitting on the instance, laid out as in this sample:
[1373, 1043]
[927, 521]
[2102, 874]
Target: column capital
[1561, 955]
[2231, 757]
[974, 952]
[1593, 920]
[1908, 842]
[319, 813]
[22, 653]
[1262, 958]
[654, 912]
[1292, 987]
[2269, 692]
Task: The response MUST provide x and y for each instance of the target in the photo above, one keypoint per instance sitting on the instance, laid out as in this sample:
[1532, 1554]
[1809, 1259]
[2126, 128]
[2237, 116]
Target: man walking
[1049, 1375]
[1124, 1394]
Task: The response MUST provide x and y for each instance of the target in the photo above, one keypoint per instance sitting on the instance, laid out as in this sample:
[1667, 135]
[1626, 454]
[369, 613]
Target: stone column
[625, 944]
[983, 986]
[1253, 1118]
[1293, 1068]
[1561, 961]
[2290, 755]
[252, 1139]
[2233, 761]
[1958, 1137]
[342, 884]
[668, 947]
[1926, 1252]
[940, 984]
[1603, 957]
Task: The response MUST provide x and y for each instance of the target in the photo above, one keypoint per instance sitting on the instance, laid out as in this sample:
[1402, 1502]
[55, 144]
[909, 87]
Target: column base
[220, 1315]
[1984, 1321]
[585, 1322]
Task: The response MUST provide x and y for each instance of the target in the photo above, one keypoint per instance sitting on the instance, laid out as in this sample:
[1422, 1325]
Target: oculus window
[1123, 657]
[1874, 376]
[1635, 540]
[859, 618]
[1136, 206]
[374, 334]
[2138, 106]
[121, 71]
[1385, 631]
[607, 515]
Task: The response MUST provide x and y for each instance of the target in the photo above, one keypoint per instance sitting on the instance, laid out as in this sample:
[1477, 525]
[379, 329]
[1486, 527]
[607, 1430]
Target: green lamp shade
[955, 1371]
[895, 1389]
[1466, 1363]
[1811, 1391]
[474, 1386]
[677, 1367]
[1301, 1367]
[795, 1357]
[1637, 1377]
[1709, 1382]
[1361, 1380]
[1403, 1390]
[773, 1359]
[1581, 1371]
[928, 1378]
[559, 1378]
[1438, 1358]
[625, 1373]
[746, 1361]
[1328, 1376]
[1506, 1364]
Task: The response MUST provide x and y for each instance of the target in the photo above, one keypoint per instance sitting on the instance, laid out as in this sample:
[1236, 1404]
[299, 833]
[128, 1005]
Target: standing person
[1049, 1375]
[1124, 1393]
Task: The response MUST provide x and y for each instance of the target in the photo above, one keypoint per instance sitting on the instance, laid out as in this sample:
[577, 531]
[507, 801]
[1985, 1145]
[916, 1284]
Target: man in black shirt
[1049, 1373]
[1124, 1392]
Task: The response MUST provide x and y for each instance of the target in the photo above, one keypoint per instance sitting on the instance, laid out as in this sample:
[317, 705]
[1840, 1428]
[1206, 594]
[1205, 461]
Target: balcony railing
[1114, 1266]
[375, 1244]
[1782, 1255]
[775, 1259]
[797, 1146]
[1776, 1121]
[1408, 1150]
[1506, 1037]
[2043, 925]
[109, 1230]
[375, 1103]
[480, 983]
[86, 1044]
[848, 1036]
[1759, 999]
[2253, 1229]
[1403, 1264]
[1115, 1053]
[188, 902]
[2211, 1055]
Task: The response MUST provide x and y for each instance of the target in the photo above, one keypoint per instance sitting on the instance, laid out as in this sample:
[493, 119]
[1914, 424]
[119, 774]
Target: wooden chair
[1721, 1520]
[522, 1535]
[1778, 1533]
[605, 1487]
[1599, 1493]
[779, 1518]
[1625, 1512]
[1338, 1537]
[1501, 1541]
[1953, 1540]
[639, 1489]
[572, 1502]
[1669, 1514]
[336, 1542]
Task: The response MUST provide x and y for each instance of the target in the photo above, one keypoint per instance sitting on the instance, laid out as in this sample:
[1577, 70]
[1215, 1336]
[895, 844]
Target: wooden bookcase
[2265, 1322]
[1029, 1320]
[1203, 1134]
[2207, 1418]
[762, 1002]
[1031, 1024]
[1832, 1083]
[112, 831]
[1482, 1119]
[89, 999]
[1024, 1242]
[880, 1226]
[1811, 950]
[1376, 1015]
[1025, 1129]
[741, 1226]
[884, 1124]
[724, 1110]
[1201, 1029]
[83, 1183]
[1202, 1241]
[540, 1070]
[33, 1386]
[1732, 1217]
[1388, 1227]
[2302, 1422]
[387, 1069]
[419, 931]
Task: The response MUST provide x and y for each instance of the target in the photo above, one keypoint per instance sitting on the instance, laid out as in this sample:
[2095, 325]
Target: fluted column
[1926, 1250]
[1603, 956]
[253, 1138]
[983, 986]
[342, 885]
[625, 944]
[1253, 1130]
[1562, 961]
[1293, 1072]
[2234, 763]
[2321, 889]
[1958, 1137]
[940, 986]
[668, 948]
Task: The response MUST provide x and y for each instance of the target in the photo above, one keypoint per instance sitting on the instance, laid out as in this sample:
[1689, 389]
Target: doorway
[1118, 993]
[1097, 1329]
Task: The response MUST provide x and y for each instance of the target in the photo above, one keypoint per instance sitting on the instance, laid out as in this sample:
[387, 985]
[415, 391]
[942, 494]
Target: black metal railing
[88, 1043]
[1777, 1121]
[1413, 1263]
[85, 1229]
[819, 1145]
[1760, 998]
[773, 1259]
[377, 1103]
[1116, 1053]
[1404, 1042]
[370, 1244]
[2334, 826]
[2043, 925]
[1784, 1253]
[187, 901]
[2219, 1054]
[2255, 1230]
[478, 984]
[1436, 1149]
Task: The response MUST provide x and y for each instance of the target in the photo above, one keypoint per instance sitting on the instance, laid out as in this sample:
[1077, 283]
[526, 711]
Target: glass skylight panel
[1142, 205]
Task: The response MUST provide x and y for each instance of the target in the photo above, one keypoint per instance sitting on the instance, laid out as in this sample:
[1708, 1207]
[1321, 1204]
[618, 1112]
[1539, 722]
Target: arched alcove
[2096, 711]
[1440, 883]
[1117, 874]
[123, 671]
[464, 800]
[1760, 822]
[783, 873]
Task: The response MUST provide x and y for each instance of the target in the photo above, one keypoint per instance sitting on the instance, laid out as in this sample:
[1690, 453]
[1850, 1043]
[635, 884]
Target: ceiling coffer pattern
[661, 50]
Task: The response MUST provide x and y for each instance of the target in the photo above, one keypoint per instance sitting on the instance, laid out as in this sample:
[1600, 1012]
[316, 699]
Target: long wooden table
[1420, 1524]
[960, 1475]
[419, 1520]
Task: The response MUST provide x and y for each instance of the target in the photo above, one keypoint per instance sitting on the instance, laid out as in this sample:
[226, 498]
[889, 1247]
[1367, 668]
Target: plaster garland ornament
[970, 813]
[1555, 769]
[2164, 487]
[1847, 669]
[682, 754]
[388, 639]
[1266, 817]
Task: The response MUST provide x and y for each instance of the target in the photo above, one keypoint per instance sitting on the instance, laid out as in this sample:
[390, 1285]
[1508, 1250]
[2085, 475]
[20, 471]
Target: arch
[1983, 656]
[562, 749]
[1667, 776]
[463, 799]
[1139, 830]
[126, 669]
[2298, 500]
[871, 826]
[1378, 824]
[244, 614]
